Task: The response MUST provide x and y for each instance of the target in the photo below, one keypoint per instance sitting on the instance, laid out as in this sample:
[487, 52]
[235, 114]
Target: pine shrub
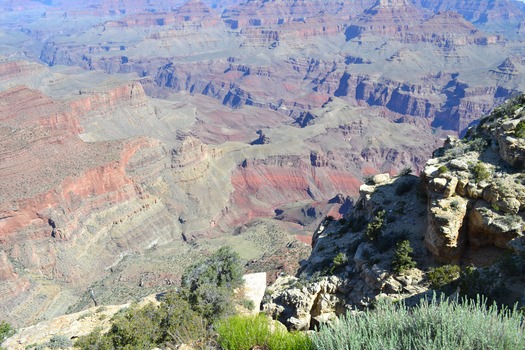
[402, 259]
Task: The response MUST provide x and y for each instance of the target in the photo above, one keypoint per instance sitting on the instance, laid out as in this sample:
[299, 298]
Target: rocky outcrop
[475, 189]
[347, 270]
[304, 307]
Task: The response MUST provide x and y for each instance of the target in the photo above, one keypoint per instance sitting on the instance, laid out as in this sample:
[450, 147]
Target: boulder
[458, 164]
[512, 151]
[445, 236]
[487, 227]
[381, 178]
[296, 307]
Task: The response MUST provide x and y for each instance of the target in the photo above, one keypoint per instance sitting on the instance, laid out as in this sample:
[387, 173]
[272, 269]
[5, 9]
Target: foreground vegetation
[198, 316]
[436, 325]
[184, 316]
[246, 332]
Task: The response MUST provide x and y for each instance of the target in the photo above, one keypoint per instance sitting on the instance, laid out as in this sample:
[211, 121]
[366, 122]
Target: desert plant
[478, 144]
[439, 277]
[183, 317]
[477, 281]
[512, 264]
[443, 169]
[208, 285]
[256, 332]
[59, 342]
[150, 326]
[480, 172]
[6, 330]
[94, 340]
[519, 131]
[402, 260]
[375, 227]
[338, 262]
[430, 325]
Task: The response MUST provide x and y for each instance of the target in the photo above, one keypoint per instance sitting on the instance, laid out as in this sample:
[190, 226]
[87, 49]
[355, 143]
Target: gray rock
[458, 164]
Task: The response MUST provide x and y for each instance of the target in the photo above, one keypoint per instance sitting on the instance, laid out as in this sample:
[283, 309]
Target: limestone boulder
[445, 236]
[301, 307]
[381, 178]
[512, 151]
[488, 227]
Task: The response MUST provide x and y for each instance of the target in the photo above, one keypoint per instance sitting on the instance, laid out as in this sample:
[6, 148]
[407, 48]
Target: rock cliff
[62, 198]
[475, 187]
[465, 209]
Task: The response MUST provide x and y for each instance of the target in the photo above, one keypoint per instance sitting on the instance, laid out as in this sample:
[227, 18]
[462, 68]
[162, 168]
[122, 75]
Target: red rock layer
[264, 185]
[50, 178]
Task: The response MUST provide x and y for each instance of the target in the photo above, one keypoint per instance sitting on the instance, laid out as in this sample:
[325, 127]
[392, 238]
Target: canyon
[138, 135]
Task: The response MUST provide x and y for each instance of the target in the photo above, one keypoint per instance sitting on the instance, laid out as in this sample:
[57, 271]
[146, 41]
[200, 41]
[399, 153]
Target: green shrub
[480, 172]
[478, 144]
[375, 227]
[208, 285]
[254, 332]
[59, 342]
[150, 326]
[95, 340]
[5, 331]
[443, 169]
[442, 276]
[512, 264]
[486, 282]
[339, 261]
[206, 294]
[431, 325]
[519, 131]
[402, 259]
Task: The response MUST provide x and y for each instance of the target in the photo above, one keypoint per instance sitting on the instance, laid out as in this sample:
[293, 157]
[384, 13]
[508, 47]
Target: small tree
[402, 259]
[208, 285]
[375, 227]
